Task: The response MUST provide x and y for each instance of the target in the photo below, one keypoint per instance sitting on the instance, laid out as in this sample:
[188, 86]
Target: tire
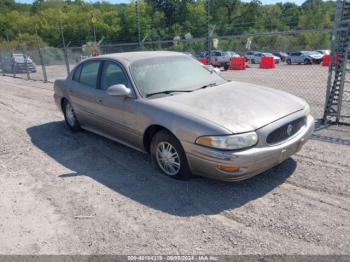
[307, 62]
[177, 167]
[226, 67]
[289, 62]
[253, 61]
[70, 117]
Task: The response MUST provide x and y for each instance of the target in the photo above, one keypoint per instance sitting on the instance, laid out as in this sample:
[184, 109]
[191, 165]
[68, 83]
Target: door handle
[99, 100]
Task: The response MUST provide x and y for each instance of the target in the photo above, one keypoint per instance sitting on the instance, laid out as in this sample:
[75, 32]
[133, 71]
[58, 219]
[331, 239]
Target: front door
[119, 114]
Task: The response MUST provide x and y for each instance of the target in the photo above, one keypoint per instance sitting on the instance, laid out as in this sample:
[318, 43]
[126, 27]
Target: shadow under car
[131, 174]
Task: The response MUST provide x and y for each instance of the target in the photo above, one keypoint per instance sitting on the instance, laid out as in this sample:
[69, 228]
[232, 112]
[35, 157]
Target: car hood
[238, 107]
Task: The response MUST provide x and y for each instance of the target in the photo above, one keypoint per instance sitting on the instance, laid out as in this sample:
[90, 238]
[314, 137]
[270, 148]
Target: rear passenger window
[77, 73]
[89, 73]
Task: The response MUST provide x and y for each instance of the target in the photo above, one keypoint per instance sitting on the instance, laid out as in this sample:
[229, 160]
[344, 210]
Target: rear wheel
[70, 117]
[169, 156]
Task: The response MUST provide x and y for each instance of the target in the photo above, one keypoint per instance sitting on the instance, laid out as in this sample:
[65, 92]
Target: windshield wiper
[205, 86]
[167, 92]
[181, 91]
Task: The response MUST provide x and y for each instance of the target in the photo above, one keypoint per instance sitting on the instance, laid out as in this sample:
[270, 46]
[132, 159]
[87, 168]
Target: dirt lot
[65, 193]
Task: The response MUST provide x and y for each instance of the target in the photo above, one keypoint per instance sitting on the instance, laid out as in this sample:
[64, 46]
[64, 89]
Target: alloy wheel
[70, 115]
[168, 158]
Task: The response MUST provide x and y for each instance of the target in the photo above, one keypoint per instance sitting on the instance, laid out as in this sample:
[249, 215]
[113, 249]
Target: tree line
[163, 20]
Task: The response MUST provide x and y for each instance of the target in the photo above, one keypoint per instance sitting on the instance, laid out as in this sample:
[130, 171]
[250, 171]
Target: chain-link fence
[305, 78]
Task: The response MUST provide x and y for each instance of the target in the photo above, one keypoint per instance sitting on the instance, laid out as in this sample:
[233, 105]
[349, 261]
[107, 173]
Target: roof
[130, 57]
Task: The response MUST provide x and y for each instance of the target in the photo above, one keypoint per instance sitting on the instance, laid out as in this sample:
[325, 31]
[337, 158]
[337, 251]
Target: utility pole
[94, 46]
[209, 33]
[93, 19]
[138, 18]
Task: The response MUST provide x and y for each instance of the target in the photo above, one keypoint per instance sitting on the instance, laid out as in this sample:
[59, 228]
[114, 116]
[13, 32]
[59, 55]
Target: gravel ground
[78, 193]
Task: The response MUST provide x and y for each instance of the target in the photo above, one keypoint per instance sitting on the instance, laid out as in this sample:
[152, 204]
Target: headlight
[231, 142]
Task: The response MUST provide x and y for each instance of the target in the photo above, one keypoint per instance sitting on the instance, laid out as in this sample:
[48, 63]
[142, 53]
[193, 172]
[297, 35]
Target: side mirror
[119, 90]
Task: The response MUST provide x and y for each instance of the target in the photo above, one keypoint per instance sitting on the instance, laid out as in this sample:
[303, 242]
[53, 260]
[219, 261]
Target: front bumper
[204, 161]
[317, 60]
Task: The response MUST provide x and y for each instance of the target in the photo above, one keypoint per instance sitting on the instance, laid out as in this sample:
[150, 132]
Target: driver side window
[112, 74]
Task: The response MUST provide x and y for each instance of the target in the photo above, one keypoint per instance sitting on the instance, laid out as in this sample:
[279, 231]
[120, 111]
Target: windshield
[312, 53]
[229, 53]
[268, 54]
[171, 73]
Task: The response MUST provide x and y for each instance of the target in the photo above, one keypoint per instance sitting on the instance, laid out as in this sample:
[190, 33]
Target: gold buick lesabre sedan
[184, 114]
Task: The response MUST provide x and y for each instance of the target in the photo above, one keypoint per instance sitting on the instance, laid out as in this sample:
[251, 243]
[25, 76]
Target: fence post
[2, 64]
[66, 59]
[26, 62]
[41, 55]
[13, 64]
[65, 51]
[42, 64]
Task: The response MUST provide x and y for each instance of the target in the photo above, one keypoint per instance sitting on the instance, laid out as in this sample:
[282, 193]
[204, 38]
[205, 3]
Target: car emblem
[289, 129]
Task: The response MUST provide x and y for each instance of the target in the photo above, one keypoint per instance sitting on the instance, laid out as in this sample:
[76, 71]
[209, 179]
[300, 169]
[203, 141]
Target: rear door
[82, 92]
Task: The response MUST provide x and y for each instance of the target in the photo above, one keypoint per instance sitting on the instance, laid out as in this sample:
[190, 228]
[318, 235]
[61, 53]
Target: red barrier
[326, 59]
[203, 60]
[237, 63]
[267, 62]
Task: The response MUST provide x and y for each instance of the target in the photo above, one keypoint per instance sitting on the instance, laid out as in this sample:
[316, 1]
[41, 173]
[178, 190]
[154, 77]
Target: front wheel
[307, 62]
[70, 117]
[289, 62]
[169, 156]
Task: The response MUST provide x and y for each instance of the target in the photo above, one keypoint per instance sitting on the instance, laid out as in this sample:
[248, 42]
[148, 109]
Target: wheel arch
[62, 101]
[149, 134]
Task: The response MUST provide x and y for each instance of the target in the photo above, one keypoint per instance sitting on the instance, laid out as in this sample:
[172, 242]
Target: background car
[231, 54]
[258, 55]
[249, 55]
[281, 55]
[218, 58]
[324, 51]
[304, 57]
[18, 63]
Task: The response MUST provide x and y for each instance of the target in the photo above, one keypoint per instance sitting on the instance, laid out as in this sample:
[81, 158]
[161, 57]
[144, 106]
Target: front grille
[286, 131]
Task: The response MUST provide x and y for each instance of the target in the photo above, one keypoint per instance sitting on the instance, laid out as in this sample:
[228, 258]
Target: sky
[126, 1]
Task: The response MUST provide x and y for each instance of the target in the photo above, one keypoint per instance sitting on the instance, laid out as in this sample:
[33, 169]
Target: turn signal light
[229, 168]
